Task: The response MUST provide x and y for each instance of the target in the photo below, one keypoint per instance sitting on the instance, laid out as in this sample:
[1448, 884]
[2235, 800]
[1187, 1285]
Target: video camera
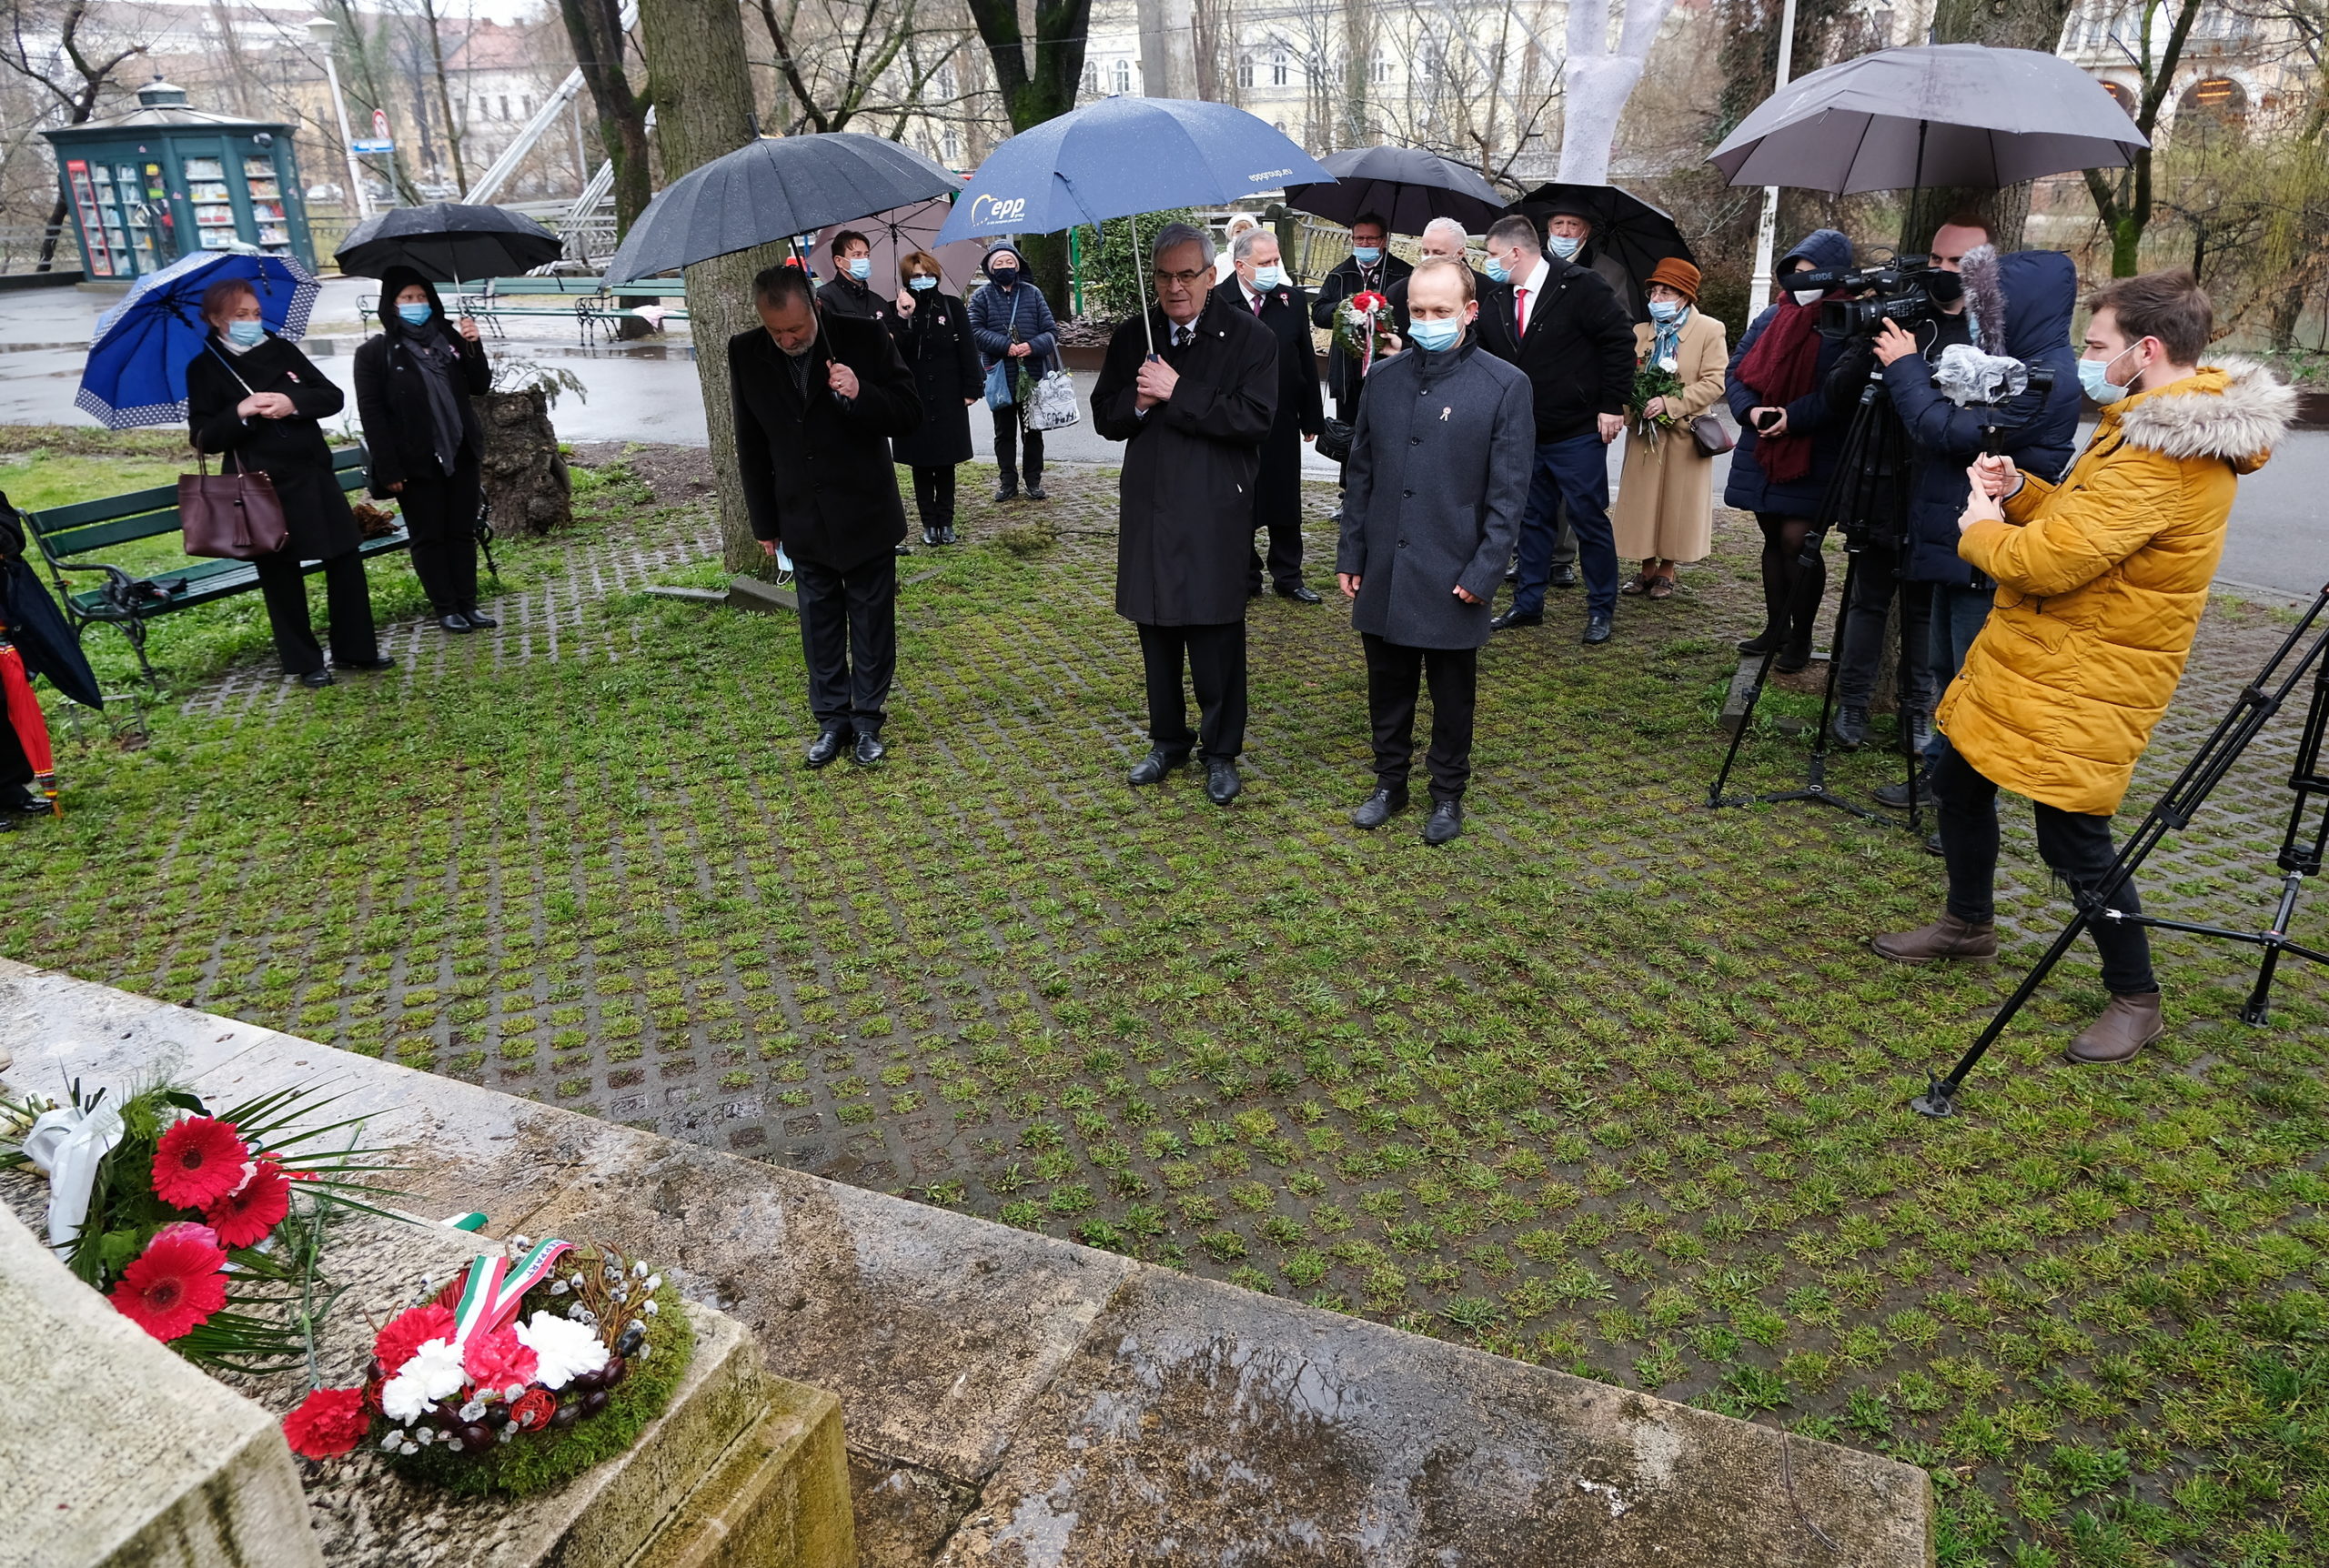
[1909, 291]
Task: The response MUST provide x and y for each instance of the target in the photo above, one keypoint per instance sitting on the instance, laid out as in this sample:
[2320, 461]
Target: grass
[1611, 1084]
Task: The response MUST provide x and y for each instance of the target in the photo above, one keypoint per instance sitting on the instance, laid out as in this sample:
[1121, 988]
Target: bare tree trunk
[2019, 25]
[704, 109]
[594, 29]
[2123, 201]
[1601, 78]
[453, 137]
[1036, 90]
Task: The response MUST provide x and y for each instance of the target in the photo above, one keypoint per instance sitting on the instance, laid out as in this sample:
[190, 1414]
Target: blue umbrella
[139, 351]
[1126, 155]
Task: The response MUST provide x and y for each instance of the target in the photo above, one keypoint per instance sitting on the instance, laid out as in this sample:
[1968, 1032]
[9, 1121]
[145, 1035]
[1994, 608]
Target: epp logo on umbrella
[988, 208]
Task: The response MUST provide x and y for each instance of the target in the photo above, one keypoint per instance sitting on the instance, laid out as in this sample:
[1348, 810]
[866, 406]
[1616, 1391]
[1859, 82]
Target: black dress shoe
[456, 623]
[1564, 576]
[373, 665]
[1770, 640]
[1597, 627]
[1152, 768]
[1513, 617]
[1795, 656]
[478, 618]
[1446, 821]
[1035, 491]
[1512, 573]
[1006, 493]
[316, 678]
[930, 536]
[1300, 593]
[1221, 783]
[826, 745]
[869, 748]
[947, 535]
[1378, 808]
[25, 804]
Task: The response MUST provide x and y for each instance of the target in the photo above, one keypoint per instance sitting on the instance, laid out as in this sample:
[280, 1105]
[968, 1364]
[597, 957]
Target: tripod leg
[1814, 541]
[1940, 1098]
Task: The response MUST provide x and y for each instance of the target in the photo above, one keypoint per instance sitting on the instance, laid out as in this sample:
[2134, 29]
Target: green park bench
[493, 300]
[69, 534]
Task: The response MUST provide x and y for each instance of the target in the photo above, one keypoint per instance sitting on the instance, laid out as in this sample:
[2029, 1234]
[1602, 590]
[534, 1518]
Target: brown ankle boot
[2126, 1026]
[1947, 938]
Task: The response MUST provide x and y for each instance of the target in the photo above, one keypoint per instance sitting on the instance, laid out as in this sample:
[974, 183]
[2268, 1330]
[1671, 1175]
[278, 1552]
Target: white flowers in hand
[564, 1350]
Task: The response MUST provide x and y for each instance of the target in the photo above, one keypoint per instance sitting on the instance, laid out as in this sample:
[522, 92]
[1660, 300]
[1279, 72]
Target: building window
[1379, 69]
[1092, 77]
[526, 107]
[2218, 95]
[2122, 95]
[505, 106]
[1277, 69]
[1124, 76]
[1245, 70]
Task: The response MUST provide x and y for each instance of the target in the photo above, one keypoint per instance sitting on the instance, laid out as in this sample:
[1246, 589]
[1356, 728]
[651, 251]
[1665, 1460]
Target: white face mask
[1268, 276]
[1806, 297]
[1563, 246]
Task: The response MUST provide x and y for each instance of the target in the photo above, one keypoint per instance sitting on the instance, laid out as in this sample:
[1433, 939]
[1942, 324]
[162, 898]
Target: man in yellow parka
[2100, 581]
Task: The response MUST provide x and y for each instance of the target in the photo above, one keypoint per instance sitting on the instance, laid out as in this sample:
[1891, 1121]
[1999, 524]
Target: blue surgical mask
[1368, 255]
[1266, 278]
[921, 281]
[2093, 375]
[246, 333]
[861, 268]
[1665, 309]
[1563, 246]
[414, 315]
[1498, 272]
[1435, 333]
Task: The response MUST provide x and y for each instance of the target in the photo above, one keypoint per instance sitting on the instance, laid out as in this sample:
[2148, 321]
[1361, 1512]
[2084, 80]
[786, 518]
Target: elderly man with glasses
[1194, 412]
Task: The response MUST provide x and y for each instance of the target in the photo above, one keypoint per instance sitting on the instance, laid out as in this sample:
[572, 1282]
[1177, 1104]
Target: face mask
[246, 333]
[1946, 287]
[2093, 375]
[922, 282]
[1806, 297]
[1665, 309]
[1268, 277]
[1498, 272]
[1435, 333]
[1368, 255]
[861, 268]
[1563, 246]
[1002, 276]
[414, 315]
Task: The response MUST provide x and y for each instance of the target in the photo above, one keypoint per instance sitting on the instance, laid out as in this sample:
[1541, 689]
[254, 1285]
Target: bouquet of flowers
[1362, 328]
[515, 1376]
[206, 1230]
[1654, 378]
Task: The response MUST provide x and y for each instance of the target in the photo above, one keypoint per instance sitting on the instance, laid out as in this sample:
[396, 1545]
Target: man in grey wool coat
[1439, 468]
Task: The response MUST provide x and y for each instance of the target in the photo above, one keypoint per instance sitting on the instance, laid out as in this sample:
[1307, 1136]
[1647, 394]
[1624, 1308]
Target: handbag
[1334, 441]
[999, 394]
[232, 517]
[1708, 434]
[1050, 406]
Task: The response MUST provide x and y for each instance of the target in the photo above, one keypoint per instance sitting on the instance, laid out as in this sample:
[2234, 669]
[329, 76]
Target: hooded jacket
[2101, 582]
[996, 316]
[2041, 289]
[1748, 488]
[392, 394]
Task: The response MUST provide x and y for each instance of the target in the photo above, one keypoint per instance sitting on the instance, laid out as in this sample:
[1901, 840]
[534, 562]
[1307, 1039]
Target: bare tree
[594, 29]
[838, 61]
[93, 68]
[1037, 79]
[2123, 200]
[1601, 74]
[362, 53]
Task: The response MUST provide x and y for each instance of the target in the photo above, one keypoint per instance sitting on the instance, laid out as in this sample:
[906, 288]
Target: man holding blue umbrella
[1194, 415]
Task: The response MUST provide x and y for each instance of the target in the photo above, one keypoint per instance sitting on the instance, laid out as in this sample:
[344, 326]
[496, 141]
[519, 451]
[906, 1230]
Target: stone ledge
[1091, 1406]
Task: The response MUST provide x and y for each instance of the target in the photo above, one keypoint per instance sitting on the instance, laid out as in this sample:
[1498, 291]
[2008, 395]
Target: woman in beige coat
[1665, 510]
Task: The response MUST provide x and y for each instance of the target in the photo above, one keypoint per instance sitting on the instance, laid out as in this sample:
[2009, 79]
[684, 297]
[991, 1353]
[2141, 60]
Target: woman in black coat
[258, 399]
[413, 387]
[932, 332]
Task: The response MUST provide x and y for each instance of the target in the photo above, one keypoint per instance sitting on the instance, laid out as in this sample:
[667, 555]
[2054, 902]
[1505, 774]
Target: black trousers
[1395, 672]
[2075, 845]
[1006, 447]
[1860, 650]
[1215, 659]
[933, 496]
[441, 514]
[345, 597]
[849, 632]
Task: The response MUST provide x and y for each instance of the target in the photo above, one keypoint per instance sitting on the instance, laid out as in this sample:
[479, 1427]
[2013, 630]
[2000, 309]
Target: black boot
[1806, 604]
[1773, 637]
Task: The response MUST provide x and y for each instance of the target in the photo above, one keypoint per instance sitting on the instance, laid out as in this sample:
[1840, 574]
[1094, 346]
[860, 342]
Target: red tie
[1520, 311]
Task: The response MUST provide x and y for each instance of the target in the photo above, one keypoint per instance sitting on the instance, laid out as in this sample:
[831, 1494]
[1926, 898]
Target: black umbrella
[774, 188]
[446, 241]
[1626, 229]
[1407, 187]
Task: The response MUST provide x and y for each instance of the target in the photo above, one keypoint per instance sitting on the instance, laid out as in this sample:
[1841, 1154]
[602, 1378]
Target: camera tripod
[2303, 843]
[1873, 462]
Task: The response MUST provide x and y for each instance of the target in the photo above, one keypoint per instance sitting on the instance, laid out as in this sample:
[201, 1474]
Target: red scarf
[1780, 369]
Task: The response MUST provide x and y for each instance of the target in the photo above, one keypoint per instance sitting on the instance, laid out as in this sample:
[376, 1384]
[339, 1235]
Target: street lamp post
[324, 32]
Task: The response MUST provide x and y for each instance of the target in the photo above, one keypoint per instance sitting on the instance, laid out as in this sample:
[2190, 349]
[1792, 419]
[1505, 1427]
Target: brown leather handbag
[1706, 434]
[230, 517]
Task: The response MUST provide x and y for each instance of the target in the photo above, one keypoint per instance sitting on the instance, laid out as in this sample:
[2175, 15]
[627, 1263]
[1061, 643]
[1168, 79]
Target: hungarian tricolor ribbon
[495, 1286]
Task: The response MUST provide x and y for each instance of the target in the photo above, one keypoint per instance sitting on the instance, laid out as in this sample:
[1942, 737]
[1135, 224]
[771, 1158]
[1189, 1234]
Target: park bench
[618, 300]
[69, 534]
[494, 299]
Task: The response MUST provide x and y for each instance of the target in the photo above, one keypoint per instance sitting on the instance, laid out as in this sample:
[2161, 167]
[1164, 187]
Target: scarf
[437, 360]
[1780, 369]
[1668, 342]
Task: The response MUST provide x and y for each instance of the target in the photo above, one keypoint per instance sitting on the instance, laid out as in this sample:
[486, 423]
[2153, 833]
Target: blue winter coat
[1809, 415]
[991, 322]
[2040, 292]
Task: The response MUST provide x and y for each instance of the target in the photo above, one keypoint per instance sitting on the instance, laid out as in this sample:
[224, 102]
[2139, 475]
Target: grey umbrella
[773, 189]
[1944, 114]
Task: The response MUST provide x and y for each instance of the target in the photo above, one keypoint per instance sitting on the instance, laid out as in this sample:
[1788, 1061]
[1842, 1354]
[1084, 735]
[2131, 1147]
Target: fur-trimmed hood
[2234, 411]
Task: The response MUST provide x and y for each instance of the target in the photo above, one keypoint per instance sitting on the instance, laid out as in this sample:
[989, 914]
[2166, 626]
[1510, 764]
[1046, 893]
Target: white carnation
[434, 1373]
[563, 1349]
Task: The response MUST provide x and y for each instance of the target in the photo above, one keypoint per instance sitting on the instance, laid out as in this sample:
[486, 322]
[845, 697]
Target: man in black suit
[1369, 269]
[817, 398]
[1258, 286]
[1560, 324]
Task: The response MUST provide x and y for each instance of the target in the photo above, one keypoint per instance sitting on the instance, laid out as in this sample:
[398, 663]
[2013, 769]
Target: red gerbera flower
[174, 1284]
[328, 1423]
[244, 1217]
[533, 1412]
[200, 1161]
[500, 1361]
[407, 1333]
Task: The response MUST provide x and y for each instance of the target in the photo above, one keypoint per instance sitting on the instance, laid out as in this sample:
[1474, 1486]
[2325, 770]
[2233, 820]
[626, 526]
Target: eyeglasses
[1182, 280]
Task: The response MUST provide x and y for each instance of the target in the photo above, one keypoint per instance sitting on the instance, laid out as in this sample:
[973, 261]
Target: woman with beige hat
[1665, 510]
